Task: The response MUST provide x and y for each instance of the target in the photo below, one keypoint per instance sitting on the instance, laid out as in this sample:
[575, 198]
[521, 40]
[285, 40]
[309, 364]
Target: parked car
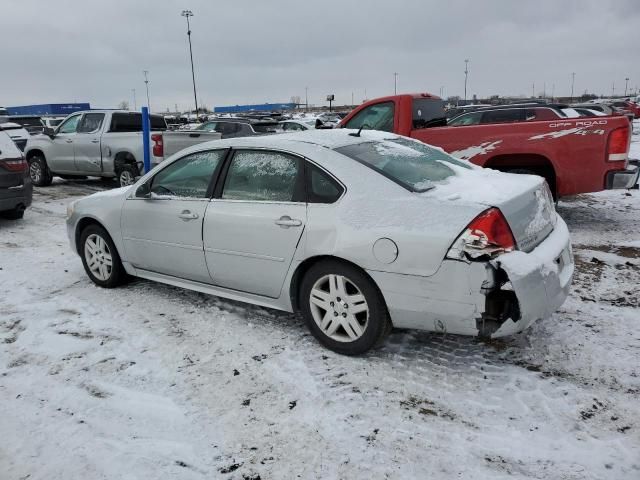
[574, 155]
[357, 230]
[167, 143]
[15, 184]
[97, 143]
[51, 122]
[31, 123]
[508, 114]
[299, 125]
[18, 133]
[598, 107]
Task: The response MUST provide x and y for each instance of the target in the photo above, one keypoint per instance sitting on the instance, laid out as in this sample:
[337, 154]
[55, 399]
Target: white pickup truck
[95, 143]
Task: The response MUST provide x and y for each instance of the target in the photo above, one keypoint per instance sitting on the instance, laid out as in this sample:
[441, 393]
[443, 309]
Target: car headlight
[70, 209]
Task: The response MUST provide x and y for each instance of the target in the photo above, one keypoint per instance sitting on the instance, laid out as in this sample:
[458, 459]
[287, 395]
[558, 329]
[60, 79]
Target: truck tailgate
[174, 141]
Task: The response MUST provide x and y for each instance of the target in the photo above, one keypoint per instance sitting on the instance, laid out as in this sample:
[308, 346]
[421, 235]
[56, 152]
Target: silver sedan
[359, 231]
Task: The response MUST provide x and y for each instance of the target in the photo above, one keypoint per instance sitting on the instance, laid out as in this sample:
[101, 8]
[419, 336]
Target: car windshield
[411, 164]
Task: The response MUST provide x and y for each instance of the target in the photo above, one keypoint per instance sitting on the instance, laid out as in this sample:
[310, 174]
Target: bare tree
[123, 105]
[296, 99]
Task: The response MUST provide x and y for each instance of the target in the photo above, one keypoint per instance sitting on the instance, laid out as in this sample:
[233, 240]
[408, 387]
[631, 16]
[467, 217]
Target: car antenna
[358, 134]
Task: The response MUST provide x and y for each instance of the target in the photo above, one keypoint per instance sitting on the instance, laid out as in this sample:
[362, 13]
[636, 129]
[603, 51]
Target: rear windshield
[132, 122]
[26, 121]
[428, 112]
[411, 164]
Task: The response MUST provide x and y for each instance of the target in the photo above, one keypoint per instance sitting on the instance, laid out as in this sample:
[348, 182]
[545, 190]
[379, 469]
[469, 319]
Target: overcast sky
[254, 51]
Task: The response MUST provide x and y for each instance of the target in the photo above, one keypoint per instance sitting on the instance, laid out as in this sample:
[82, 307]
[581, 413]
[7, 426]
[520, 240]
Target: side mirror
[144, 190]
[49, 132]
[319, 123]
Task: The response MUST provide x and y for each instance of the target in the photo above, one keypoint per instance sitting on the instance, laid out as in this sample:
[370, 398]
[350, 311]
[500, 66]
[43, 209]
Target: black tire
[117, 276]
[378, 324]
[16, 214]
[127, 172]
[39, 171]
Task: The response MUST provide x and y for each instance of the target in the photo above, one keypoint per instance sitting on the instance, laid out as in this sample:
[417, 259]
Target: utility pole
[466, 75]
[626, 84]
[135, 105]
[533, 90]
[544, 90]
[146, 84]
[395, 83]
[441, 91]
[352, 104]
[306, 99]
[553, 91]
[573, 81]
[613, 89]
[187, 14]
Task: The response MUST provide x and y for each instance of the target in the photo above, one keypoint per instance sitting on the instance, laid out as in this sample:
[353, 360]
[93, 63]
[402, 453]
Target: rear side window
[132, 122]
[263, 176]
[504, 116]
[90, 122]
[374, 117]
[411, 164]
[321, 188]
[428, 112]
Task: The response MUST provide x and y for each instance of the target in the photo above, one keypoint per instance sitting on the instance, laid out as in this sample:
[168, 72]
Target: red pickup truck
[574, 155]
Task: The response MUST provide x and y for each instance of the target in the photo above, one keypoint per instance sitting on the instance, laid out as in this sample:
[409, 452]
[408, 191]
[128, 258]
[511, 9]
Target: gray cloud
[254, 51]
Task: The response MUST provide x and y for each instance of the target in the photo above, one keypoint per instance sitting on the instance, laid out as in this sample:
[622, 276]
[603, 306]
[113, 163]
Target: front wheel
[100, 257]
[343, 308]
[39, 171]
[127, 175]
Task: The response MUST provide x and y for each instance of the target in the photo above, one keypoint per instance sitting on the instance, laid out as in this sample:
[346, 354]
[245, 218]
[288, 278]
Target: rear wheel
[343, 308]
[100, 257]
[15, 214]
[39, 171]
[127, 174]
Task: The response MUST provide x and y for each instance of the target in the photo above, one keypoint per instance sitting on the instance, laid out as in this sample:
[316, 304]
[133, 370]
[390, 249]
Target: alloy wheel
[35, 171]
[339, 308]
[126, 178]
[98, 257]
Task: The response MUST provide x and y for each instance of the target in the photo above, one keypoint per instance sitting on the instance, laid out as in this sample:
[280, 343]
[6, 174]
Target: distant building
[263, 107]
[59, 109]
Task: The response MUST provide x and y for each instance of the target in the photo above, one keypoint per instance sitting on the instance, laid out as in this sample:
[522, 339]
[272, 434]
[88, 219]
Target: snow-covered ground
[150, 381]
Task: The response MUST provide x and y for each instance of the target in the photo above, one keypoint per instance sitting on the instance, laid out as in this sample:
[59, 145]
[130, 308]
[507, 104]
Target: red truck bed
[575, 155]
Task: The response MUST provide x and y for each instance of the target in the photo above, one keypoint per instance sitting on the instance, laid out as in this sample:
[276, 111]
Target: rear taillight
[487, 235]
[618, 145]
[15, 164]
[158, 145]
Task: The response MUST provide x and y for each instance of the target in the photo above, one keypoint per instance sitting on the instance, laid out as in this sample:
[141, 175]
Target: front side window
[262, 176]
[472, 118]
[90, 122]
[69, 125]
[188, 177]
[374, 117]
[411, 164]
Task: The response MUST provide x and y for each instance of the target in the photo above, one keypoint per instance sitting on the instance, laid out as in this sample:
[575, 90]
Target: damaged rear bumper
[627, 178]
[540, 280]
[488, 298]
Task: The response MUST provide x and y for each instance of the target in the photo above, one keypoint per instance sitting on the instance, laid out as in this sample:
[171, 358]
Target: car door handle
[187, 215]
[69, 140]
[286, 221]
[95, 140]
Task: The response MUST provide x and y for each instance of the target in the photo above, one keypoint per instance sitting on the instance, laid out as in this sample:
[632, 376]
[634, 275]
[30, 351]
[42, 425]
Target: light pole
[135, 105]
[146, 84]
[187, 14]
[626, 84]
[573, 81]
[466, 75]
[395, 83]
[306, 99]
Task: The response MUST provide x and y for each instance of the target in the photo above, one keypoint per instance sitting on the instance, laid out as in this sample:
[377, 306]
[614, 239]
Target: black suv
[15, 183]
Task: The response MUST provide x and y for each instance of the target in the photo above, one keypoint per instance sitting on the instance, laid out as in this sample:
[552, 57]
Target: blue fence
[61, 109]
